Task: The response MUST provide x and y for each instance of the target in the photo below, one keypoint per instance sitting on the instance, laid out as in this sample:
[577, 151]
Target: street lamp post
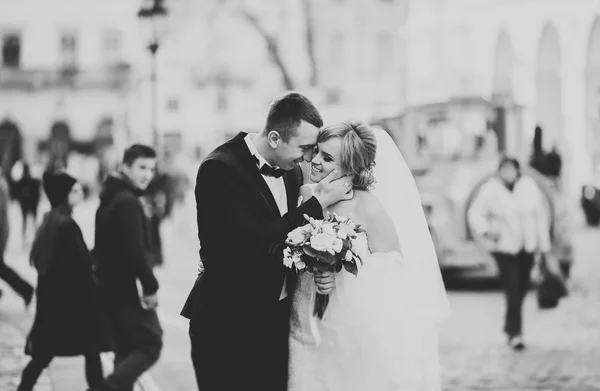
[153, 12]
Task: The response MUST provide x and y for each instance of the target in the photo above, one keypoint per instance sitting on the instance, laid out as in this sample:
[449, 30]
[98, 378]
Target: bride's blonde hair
[359, 146]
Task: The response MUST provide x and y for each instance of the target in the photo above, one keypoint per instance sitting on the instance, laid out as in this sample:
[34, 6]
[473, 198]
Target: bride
[379, 329]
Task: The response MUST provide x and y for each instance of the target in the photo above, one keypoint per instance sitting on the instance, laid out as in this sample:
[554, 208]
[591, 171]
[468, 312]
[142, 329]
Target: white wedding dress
[373, 335]
[378, 332]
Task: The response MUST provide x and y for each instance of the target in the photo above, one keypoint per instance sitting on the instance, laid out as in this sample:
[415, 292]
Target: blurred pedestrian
[159, 198]
[27, 192]
[123, 254]
[508, 217]
[16, 282]
[69, 320]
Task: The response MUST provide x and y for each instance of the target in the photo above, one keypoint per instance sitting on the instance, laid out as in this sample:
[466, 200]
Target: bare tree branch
[272, 48]
[310, 43]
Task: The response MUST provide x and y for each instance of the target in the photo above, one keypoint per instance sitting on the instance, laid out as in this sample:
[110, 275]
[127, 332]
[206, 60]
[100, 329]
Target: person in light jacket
[508, 217]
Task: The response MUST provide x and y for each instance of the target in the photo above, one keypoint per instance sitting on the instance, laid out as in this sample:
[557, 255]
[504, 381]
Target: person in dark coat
[28, 195]
[12, 278]
[124, 255]
[69, 319]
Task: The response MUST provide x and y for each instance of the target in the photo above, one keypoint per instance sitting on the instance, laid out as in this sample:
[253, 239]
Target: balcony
[113, 78]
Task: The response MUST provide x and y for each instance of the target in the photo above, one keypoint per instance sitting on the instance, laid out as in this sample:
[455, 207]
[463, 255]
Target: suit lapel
[292, 187]
[248, 165]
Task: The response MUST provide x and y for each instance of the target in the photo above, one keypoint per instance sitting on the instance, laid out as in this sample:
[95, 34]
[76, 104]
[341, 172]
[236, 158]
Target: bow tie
[270, 171]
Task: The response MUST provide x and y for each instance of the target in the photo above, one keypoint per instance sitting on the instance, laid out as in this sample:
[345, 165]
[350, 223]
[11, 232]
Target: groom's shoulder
[221, 157]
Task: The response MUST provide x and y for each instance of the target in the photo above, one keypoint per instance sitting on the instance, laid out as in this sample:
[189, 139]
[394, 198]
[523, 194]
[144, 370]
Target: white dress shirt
[277, 187]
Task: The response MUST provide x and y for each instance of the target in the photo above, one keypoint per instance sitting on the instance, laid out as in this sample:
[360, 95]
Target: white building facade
[537, 60]
[65, 75]
[217, 76]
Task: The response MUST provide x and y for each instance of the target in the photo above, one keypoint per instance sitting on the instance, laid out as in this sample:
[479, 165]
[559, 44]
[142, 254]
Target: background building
[65, 76]
[224, 61]
[535, 63]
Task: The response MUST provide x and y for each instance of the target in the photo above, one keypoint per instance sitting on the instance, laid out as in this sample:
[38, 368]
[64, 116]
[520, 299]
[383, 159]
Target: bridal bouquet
[321, 245]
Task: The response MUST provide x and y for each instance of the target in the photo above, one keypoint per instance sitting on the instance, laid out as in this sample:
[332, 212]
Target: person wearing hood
[69, 320]
[508, 218]
[123, 255]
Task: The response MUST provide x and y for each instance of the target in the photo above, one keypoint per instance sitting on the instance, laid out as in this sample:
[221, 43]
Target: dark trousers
[240, 358]
[22, 287]
[515, 276]
[28, 209]
[137, 336]
[33, 370]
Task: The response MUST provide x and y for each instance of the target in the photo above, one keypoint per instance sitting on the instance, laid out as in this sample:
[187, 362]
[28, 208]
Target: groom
[247, 201]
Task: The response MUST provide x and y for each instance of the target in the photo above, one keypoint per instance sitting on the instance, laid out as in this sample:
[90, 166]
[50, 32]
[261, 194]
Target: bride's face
[326, 158]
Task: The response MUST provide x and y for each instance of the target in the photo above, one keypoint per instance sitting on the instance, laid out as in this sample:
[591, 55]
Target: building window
[111, 47]
[173, 142]
[222, 100]
[336, 49]
[68, 50]
[11, 50]
[173, 104]
[333, 96]
[385, 45]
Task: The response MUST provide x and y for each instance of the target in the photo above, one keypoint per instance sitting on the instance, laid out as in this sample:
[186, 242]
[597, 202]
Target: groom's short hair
[287, 111]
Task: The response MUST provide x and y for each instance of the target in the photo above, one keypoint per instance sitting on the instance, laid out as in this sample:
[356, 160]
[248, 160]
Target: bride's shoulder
[366, 200]
[367, 206]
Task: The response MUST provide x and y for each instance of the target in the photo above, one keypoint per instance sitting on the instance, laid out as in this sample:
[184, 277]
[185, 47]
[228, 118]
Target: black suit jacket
[242, 237]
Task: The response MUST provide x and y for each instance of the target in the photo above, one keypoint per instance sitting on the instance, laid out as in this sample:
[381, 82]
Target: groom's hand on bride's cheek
[325, 282]
[331, 190]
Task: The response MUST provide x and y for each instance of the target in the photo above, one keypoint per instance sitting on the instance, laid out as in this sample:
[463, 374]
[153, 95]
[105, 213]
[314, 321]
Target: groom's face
[299, 148]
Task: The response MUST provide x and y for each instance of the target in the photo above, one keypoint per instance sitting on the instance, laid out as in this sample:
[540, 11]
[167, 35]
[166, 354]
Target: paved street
[563, 344]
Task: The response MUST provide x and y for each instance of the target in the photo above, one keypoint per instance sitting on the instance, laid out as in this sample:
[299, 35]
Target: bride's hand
[325, 282]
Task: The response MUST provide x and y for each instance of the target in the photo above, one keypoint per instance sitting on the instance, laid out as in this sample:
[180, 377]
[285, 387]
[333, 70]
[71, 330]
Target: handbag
[551, 287]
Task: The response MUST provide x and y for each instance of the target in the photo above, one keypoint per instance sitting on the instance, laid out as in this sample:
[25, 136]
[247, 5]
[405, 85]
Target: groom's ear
[274, 138]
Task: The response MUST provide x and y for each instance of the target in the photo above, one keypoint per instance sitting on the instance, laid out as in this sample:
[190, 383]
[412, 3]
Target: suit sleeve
[130, 222]
[219, 186]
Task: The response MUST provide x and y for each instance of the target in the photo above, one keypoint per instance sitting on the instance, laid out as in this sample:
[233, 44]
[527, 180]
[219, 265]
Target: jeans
[33, 370]
[138, 342]
[515, 276]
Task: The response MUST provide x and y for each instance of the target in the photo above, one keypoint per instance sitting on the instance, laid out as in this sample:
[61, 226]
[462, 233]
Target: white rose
[322, 242]
[287, 257]
[328, 229]
[337, 245]
[345, 230]
[297, 236]
[349, 256]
